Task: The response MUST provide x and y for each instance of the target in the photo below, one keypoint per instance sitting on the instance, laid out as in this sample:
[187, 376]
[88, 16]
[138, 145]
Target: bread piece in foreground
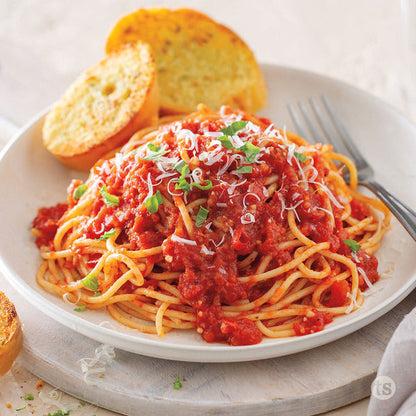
[11, 335]
[197, 60]
[104, 107]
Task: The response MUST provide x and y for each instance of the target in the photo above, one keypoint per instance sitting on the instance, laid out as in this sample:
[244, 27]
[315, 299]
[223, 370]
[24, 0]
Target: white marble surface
[45, 44]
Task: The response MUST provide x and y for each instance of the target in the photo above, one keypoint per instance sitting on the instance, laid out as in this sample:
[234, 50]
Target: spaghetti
[218, 222]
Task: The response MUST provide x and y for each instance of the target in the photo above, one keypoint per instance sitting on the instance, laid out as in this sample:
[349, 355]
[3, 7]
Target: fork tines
[323, 131]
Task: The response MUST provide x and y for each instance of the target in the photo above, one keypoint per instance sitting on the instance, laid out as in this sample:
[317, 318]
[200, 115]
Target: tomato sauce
[47, 222]
[246, 219]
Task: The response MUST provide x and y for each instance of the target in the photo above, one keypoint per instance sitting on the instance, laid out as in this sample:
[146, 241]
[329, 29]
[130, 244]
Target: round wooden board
[302, 384]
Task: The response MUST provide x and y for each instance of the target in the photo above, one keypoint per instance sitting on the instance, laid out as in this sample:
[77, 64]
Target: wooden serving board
[302, 384]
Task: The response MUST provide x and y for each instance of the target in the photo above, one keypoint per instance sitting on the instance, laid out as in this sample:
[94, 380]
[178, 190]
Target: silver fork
[329, 128]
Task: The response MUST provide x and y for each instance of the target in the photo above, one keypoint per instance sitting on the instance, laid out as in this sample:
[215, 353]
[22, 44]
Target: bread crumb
[39, 384]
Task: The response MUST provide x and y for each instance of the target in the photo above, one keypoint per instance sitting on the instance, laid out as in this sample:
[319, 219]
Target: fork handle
[401, 211]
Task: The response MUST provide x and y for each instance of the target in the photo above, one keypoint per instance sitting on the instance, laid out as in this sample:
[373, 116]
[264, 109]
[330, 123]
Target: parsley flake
[156, 152]
[234, 128]
[179, 166]
[244, 169]
[28, 397]
[226, 142]
[110, 200]
[182, 183]
[300, 156]
[177, 384]
[59, 413]
[203, 187]
[20, 408]
[201, 216]
[107, 235]
[353, 245]
[250, 150]
[90, 281]
[81, 308]
[79, 192]
[152, 203]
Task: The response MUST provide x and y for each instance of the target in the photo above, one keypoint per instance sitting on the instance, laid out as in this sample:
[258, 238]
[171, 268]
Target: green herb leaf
[226, 142]
[107, 235]
[96, 294]
[90, 281]
[182, 183]
[177, 384]
[152, 203]
[20, 408]
[179, 167]
[81, 403]
[29, 397]
[233, 128]
[59, 413]
[153, 147]
[201, 216]
[79, 192]
[81, 308]
[203, 187]
[110, 200]
[300, 156]
[244, 169]
[156, 152]
[353, 245]
[250, 150]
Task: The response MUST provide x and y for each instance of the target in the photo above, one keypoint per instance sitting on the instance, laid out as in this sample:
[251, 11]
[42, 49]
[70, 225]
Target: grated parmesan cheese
[104, 354]
[183, 240]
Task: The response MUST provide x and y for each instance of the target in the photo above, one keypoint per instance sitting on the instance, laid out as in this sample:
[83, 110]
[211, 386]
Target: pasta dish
[216, 222]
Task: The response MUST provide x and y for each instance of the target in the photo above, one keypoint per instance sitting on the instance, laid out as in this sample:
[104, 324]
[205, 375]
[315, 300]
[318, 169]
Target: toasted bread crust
[104, 107]
[197, 60]
[11, 335]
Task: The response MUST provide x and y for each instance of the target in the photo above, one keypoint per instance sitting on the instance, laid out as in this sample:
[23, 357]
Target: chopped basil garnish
[81, 308]
[110, 200]
[244, 169]
[60, 413]
[107, 235]
[353, 245]
[20, 408]
[79, 192]
[250, 150]
[203, 187]
[226, 142]
[97, 294]
[201, 216]
[153, 147]
[29, 397]
[152, 203]
[300, 156]
[177, 384]
[156, 152]
[90, 281]
[182, 183]
[179, 167]
[233, 128]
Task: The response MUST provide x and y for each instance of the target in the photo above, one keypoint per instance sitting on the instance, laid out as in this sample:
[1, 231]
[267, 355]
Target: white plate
[31, 178]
